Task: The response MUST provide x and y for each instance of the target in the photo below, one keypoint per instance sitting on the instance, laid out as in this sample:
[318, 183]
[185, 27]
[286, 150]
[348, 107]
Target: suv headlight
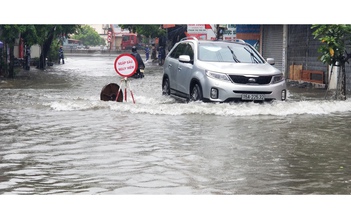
[217, 75]
[278, 78]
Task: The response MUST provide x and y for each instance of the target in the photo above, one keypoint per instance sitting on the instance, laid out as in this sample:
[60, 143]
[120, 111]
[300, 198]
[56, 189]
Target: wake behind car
[220, 71]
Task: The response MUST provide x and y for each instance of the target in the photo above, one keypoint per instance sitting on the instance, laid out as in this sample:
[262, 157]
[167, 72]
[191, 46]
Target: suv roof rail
[234, 40]
[189, 38]
[239, 40]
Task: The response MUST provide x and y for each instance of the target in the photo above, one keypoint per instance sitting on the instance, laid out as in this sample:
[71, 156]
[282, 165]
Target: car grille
[250, 80]
[251, 92]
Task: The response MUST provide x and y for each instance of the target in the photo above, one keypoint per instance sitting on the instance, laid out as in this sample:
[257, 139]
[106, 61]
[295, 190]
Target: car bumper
[227, 91]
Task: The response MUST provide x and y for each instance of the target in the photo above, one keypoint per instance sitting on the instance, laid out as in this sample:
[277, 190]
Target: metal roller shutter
[272, 46]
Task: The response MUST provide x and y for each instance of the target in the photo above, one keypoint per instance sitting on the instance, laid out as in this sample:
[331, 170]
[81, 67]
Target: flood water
[58, 137]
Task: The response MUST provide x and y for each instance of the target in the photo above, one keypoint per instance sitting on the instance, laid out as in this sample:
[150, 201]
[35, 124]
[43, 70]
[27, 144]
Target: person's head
[134, 49]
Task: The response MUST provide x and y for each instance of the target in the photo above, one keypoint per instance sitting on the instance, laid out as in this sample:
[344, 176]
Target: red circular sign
[126, 65]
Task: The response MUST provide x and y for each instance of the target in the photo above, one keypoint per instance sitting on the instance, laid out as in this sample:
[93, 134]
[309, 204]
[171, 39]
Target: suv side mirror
[184, 58]
[271, 61]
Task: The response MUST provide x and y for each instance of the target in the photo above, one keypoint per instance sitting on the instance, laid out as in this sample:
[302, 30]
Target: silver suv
[220, 71]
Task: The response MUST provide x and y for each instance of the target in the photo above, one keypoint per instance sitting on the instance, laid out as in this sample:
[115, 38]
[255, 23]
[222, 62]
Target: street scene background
[39, 144]
[58, 137]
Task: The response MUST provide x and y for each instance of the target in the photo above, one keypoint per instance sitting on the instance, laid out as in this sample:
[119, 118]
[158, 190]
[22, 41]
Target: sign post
[109, 38]
[125, 65]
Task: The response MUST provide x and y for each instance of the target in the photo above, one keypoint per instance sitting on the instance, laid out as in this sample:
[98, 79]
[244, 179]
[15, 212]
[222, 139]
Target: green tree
[88, 36]
[9, 34]
[29, 35]
[44, 35]
[334, 39]
[149, 30]
[47, 34]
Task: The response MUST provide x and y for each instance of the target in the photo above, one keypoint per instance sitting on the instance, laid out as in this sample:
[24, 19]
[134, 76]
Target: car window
[189, 51]
[125, 38]
[179, 50]
[228, 53]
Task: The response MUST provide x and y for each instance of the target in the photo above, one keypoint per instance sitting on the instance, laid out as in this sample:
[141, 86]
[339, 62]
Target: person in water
[141, 65]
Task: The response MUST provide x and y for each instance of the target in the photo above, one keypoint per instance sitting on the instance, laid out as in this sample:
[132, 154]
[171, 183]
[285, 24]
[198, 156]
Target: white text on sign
[125, 65]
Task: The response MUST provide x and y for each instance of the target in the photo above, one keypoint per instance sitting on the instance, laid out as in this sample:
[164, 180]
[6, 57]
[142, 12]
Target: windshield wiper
[234, 56]
[253, 57]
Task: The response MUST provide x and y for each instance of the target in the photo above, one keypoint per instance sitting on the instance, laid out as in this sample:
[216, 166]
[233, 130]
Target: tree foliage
[334, 38]
[44, 35]
[49, 34]
[88, 36]
[9, 34]
[148, 30]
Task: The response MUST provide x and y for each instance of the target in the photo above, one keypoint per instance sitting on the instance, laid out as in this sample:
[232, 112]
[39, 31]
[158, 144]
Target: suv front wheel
[166, 90]
[196, 93]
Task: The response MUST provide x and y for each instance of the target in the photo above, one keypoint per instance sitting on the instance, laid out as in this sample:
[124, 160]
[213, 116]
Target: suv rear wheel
[196, 93]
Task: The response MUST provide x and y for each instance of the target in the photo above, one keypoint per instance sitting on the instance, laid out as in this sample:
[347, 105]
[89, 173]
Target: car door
[185, 71]
[172, 64]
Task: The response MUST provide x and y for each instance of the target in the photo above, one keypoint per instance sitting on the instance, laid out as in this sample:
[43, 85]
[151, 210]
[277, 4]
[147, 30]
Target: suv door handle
[169, 65]
[179, 68]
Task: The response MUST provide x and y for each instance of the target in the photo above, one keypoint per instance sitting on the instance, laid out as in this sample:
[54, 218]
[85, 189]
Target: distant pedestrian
[61, 56]
[161, 55]
[153, 52]
[27, 58]
[147, 52]
[141, 65]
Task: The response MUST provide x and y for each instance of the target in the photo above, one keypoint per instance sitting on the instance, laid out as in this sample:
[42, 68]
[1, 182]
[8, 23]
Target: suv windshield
[228, 52]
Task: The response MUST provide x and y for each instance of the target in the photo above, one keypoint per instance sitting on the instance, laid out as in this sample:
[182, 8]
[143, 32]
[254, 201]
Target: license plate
[252, 97]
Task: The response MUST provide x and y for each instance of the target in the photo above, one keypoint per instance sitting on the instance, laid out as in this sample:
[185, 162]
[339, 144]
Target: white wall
[35, 51]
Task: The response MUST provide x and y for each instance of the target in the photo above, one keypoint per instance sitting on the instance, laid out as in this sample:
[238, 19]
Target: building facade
[295, 51]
